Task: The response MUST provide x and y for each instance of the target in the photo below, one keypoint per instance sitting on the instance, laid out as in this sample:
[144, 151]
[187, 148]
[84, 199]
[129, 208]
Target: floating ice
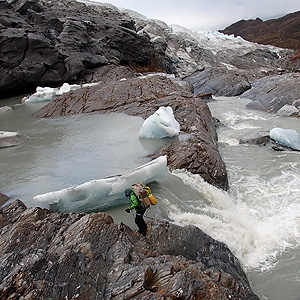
[44, 94]
[9, 139]
[5, 109]
[286, 137]
[160, 125]
[101, 194]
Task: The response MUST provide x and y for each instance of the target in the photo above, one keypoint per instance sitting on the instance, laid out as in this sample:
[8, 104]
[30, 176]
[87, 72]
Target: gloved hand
[127, 210]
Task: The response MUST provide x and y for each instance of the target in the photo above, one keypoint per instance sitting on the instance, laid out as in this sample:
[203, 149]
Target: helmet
[128, 192]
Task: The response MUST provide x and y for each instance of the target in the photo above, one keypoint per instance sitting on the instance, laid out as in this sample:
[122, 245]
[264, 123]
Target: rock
[3, 198]
[296, 103]
[142, 96]
[47, 255]
[51, 42]
[219, 82]
[10, 139]
[271, 93]
[259, 138]
[288, 111]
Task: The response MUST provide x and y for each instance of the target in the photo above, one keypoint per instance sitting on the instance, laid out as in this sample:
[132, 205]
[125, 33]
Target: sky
[208, 14]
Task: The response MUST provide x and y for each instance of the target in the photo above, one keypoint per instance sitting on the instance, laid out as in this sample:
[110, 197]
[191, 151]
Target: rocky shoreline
[47, 255]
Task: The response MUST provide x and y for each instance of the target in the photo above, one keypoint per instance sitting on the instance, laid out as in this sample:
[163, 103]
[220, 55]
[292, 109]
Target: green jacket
[134, 202]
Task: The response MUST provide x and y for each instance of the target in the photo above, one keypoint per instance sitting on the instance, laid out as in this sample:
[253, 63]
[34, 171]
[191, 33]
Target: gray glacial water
[258, 218]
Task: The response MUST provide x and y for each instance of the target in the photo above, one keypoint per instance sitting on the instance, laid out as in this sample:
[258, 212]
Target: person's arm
[134, 202]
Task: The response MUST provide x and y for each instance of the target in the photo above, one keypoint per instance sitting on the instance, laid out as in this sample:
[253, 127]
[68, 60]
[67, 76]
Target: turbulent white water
[258, 218]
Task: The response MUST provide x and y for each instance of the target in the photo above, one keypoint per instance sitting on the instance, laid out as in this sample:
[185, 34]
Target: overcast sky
[208, 14]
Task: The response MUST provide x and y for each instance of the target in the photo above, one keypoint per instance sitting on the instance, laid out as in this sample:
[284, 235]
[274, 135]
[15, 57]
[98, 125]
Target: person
[135, 204]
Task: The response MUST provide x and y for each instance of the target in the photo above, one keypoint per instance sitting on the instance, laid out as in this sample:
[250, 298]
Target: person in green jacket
[135, 204]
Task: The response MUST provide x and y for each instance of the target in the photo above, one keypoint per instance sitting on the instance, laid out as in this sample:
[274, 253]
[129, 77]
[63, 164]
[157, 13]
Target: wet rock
[47, 255]
[3, 198]
[271, 93]
[288, 111]
[219, 82]
[259, 138]
[142, 96]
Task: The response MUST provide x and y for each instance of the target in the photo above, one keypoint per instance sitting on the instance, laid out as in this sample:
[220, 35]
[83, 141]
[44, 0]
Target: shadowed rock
[52, 42]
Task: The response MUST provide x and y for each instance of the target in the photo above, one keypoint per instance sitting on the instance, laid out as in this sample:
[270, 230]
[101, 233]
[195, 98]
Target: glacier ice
[101, 194]
[160, 125]
[9, 139]
[286, 137]
[44, 94]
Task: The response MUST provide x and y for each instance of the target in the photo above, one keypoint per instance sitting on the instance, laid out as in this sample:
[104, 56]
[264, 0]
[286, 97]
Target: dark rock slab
[142, 96]
[258, 138]
[219, 82]
[271, 93]
[47, 255]
[44, 43]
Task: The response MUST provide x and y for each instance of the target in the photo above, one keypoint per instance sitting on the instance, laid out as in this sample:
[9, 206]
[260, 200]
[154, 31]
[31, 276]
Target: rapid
[258, 218]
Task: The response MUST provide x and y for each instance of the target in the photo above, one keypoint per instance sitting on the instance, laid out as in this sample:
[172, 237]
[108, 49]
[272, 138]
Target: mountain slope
[283, 32]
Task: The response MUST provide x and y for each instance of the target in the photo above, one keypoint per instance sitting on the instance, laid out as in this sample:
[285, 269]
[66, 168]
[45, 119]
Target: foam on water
[258, 218]
[256, 231]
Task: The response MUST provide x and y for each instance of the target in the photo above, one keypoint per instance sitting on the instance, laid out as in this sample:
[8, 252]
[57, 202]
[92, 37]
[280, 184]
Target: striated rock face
[272, 93]
[283, 32]
[219, 82]
[142, 96]
[46, 255]
[44, 42]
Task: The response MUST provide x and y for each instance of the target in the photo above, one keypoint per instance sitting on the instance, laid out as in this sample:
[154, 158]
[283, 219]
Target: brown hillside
[282, 32]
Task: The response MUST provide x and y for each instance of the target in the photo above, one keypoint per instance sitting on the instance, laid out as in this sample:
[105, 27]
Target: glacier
[160, 125]
[286, 137]
[101, 194]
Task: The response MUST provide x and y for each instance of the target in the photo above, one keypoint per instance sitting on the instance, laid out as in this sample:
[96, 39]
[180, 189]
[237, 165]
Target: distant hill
[282, 32]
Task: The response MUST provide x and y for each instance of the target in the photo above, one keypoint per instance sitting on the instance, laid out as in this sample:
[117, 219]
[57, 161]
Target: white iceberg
[101, 194]
[45, 94]
[10, 139]
[160, 125]
[286, 137]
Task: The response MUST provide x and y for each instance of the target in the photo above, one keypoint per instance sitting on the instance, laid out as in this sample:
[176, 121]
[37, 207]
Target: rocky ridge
[283, 32]
[47, 255]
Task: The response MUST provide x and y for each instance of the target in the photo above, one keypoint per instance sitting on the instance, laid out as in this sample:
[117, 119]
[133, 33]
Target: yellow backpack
[144, 194]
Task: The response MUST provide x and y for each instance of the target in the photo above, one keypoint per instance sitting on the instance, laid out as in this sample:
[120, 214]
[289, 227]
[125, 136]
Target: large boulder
[47, 255]
[52, 42]
[142, 96]
[219, 82]
[271, 93]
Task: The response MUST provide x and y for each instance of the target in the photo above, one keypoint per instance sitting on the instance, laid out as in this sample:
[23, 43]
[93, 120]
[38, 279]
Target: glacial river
[258, 218]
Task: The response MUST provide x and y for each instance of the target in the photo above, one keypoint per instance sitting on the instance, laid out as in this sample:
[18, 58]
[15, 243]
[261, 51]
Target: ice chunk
[160, 125]
[65, 88]
[44, 94]
[286, 137]
[9, 139]
[5, 109]
[101, 194]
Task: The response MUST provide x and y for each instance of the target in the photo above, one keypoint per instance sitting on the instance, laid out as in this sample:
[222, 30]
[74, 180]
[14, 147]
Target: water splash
[257, 225]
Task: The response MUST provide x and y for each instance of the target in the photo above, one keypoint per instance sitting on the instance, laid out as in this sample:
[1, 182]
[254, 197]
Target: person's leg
[139, 221]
